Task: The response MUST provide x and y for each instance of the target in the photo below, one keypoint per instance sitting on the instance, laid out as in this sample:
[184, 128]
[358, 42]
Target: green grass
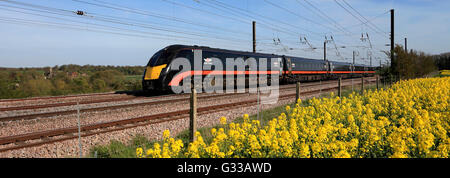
[117, 149]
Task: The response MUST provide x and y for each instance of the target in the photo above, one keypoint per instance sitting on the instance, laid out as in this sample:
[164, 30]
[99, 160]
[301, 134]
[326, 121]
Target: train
[158, 75]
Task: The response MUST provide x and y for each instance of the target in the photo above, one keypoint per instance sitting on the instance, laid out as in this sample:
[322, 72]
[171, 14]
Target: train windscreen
[154, 58]
[160, 58]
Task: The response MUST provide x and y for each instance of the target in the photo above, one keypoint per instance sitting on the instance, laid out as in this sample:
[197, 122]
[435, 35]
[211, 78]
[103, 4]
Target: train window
[222, 56]
[188, 54]
[163, 58]
[154, 58]
[209, 54]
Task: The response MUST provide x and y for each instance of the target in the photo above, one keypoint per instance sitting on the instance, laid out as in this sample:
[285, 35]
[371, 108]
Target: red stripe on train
[177, 79]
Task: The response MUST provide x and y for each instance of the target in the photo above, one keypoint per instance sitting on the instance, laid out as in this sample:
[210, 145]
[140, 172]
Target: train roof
[305, 59]
[180, 47]
[347, 63]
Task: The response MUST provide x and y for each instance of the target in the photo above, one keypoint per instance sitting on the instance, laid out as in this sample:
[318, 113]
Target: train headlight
[152, 73]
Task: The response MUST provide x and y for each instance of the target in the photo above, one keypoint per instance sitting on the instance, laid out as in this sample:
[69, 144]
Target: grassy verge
[117, 149]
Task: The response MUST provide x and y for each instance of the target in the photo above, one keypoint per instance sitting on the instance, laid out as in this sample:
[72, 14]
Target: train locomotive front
[157, 74]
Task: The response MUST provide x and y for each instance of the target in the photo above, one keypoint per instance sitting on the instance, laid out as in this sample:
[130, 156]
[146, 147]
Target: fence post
[257, 103]
[390, 79]
[79, 130]
[352, 86]
[193, 115]
[378, 81]
[320, 88]
[340, 87]
[297, 95]
[362, 85]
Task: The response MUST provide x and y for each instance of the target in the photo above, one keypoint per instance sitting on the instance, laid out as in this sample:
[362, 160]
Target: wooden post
[340, 87]
[325, 50]
[391, 79]
[193, 115]
[79, 130]
[297, 96]
[378, 81]
[362, 85]
[320, 88]
[352, 85]
[257, 103]
[393, 60]
[254, 36]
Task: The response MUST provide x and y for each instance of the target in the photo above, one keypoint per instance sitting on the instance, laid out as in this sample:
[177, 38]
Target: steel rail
[55, 97]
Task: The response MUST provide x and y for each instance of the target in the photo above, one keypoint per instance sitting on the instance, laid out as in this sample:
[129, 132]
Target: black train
[158, 75]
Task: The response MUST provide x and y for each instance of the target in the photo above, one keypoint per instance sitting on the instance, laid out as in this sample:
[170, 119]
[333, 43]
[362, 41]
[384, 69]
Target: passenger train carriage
[159, 76]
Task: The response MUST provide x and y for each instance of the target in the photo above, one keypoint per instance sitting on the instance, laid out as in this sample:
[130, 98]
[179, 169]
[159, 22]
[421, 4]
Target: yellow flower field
[445, 72]
[409, 120]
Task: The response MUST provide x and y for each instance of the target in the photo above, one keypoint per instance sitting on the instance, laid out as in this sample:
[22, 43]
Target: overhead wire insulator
[302, 40]
[368, 39]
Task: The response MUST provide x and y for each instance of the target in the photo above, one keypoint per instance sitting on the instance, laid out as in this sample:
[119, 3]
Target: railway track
[58, 135]
[66, 104]
[54, 97]
[42, 106]
[73, 111]
[94, 101]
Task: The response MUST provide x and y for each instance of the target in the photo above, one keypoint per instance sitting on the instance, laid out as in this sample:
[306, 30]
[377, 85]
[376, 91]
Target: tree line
[68, 79]
[442, 61]
[411, 64]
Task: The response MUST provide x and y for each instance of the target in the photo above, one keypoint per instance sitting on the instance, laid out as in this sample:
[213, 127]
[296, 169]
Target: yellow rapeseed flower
[139, 152]
[223, 120]
[408, 120]
[166, 134]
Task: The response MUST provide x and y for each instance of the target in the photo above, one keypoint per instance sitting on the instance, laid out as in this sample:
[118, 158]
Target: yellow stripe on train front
[153, 73]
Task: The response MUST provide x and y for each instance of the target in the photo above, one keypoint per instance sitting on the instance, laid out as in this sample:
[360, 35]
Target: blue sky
[38, 33]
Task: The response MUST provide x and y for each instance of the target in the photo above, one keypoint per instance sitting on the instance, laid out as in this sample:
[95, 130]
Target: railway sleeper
[19, 143]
